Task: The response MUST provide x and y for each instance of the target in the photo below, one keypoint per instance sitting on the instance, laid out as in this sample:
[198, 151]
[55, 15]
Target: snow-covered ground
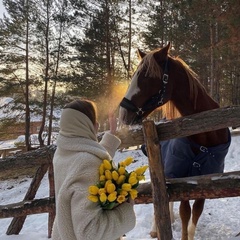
[219, 221]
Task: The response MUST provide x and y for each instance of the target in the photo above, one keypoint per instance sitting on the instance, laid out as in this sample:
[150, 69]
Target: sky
[1, 9]
[220, 219]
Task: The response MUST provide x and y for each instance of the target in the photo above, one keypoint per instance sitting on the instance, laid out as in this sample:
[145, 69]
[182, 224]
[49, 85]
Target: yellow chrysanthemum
[107, 183]
[133, 174]
[126, 162]
[121, 199]
[102, 178]
[133, 180]
[107, 164]
[124, 193]
[111, 188]
[108, 174]
[121, 170]
[101, 169]
[115, 175]
[126, 187]
[93, 190]
[101, 190]
[141, 170]
[112, 197]
[141, 177]
[121, 179]
[133, 193]
[93, 198]
[103, 197]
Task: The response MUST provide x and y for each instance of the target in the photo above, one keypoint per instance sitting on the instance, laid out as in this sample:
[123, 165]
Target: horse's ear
[140, 54]
[168, 47]
[162, 54]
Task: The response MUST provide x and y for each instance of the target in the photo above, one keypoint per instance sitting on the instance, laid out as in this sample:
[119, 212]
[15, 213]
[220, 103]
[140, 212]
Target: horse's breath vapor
[109, 103]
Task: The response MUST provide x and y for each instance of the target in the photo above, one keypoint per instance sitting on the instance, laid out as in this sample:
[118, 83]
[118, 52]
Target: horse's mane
[153, 70]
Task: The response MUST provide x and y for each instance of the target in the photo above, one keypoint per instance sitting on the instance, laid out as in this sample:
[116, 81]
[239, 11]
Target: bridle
[155, 101]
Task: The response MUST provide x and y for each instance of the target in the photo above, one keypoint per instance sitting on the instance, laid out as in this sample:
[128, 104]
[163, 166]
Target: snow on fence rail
[208, 186]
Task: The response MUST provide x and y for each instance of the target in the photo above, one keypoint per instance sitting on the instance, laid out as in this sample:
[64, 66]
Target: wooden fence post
[52, 213]
[17, 222]
[160, 196]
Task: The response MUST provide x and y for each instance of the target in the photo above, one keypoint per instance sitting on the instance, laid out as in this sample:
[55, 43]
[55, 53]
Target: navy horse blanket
[179, 160]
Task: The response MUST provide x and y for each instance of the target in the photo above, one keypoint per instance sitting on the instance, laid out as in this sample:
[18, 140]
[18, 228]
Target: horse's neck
[203, 103]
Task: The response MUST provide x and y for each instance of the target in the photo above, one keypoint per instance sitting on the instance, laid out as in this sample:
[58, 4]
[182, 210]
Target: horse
[162, 80]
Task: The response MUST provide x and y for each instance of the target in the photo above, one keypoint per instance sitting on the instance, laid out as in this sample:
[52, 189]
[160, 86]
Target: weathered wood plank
[210, 186]
[24, 208]
[221, 186]
[185, 126]
[28, 159]
[17, 222]
[52, 213]
[160, 196]
[193, 124]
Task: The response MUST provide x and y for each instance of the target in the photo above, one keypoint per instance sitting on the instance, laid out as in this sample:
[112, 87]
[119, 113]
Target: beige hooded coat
[76, 166]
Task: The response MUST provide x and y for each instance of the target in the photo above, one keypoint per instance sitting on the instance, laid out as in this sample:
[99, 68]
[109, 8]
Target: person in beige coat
[76, 166]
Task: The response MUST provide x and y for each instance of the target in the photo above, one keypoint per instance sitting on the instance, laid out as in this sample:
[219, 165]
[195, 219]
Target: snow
[6, 112]
[220, 219]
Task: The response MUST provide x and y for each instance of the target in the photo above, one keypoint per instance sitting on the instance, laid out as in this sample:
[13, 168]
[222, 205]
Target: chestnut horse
[162, 80]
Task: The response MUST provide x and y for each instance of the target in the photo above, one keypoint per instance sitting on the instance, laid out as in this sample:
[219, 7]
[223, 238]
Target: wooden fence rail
[208, 186]
[185, 126]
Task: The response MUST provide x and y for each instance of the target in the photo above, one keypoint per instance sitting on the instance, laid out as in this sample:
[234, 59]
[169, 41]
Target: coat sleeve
[110, 142]
[89, 220]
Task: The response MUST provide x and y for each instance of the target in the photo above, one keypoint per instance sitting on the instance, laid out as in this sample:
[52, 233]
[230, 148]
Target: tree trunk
[46, 78]
[129, 38]
[27, 110]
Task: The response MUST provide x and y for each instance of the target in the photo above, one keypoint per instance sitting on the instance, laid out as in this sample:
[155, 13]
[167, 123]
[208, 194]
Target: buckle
[196, 165]
[203, 149]
[140, 112]
[165, 78]
[160, 102]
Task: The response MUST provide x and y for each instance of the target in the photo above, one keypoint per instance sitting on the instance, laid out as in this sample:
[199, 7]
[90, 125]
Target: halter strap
[152, 103]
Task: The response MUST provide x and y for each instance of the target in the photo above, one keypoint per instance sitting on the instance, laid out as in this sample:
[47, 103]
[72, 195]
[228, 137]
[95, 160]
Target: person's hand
[112, 123]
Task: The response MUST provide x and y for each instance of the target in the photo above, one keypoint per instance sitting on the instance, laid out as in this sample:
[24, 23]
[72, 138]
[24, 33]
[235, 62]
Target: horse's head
[148, 89]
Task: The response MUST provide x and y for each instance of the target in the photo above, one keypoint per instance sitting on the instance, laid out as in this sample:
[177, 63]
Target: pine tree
[201, 32]
[15, 55]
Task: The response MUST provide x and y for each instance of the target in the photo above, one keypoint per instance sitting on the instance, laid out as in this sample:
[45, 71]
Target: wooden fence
[209, 186]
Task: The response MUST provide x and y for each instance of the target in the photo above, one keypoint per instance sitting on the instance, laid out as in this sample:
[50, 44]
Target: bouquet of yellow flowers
[116, 184]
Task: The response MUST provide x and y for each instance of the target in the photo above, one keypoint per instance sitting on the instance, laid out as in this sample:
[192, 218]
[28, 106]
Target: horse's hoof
[153, 234]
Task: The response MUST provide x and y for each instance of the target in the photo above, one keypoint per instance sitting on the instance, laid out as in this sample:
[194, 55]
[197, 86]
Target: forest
[55, 50]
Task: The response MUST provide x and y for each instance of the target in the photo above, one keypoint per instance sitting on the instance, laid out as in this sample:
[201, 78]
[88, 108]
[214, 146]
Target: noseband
[155, 101]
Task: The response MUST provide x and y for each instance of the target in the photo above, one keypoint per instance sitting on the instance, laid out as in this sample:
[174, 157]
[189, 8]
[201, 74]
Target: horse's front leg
[153, 232]
[196, 213]
[185, 214]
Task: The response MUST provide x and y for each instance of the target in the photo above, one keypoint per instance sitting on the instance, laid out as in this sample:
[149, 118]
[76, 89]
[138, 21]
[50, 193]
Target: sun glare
[109, 104]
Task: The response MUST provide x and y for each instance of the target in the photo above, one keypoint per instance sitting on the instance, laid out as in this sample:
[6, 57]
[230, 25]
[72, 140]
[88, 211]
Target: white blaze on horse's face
[133, 89]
